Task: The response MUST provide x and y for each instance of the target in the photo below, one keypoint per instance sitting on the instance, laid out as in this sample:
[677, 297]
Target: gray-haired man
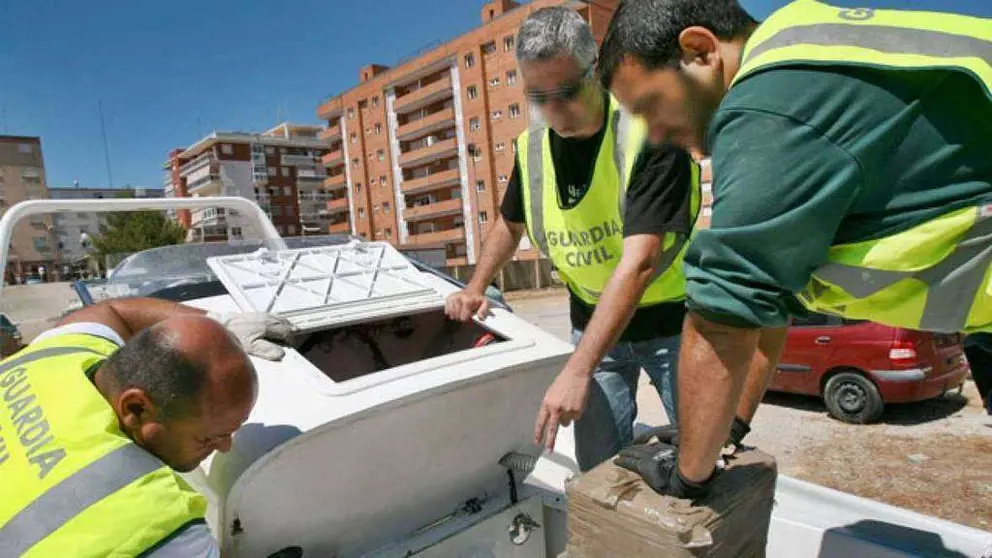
[614, 228]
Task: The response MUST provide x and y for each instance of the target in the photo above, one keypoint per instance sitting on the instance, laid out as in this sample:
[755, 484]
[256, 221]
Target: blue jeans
[607, 424]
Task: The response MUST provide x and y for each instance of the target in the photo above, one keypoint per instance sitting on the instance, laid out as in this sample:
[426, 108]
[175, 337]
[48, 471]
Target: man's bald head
[181, 388]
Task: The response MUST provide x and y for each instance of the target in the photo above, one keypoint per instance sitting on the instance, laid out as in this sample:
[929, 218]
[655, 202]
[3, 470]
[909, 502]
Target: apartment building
[22, 177]
[421, 154]
[69, 228]
[280, 169]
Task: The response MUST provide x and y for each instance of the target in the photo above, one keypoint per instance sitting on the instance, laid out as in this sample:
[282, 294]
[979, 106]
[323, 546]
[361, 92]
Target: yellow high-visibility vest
[71, 483]
[936, 276]
[585, 242]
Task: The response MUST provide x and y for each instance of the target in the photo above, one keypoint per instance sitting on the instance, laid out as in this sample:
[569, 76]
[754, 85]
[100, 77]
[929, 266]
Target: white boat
[389, 431]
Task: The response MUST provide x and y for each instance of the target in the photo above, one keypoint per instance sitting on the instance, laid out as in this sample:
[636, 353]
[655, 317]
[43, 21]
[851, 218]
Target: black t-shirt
[658, 201]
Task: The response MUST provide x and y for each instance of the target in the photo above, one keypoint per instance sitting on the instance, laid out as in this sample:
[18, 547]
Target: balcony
[430, 123]
[444, 148]
[449, 236]
[330, 109]
[208, 185]
[317, 196]
[338, 205]
[430, 182]
[331, 133]
[333, 158]
[430, 93]
[200, 161]
[297, 160]
[335, 182]
[438, 209]
[343, 227]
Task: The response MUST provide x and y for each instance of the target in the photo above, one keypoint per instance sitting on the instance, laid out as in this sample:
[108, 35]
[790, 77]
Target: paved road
[34, 308]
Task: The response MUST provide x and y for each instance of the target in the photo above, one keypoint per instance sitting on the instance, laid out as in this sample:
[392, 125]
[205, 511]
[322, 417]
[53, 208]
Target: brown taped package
[612, 513]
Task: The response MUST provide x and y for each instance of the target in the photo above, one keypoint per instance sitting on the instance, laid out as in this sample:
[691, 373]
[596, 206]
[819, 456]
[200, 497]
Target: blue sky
[168, 73]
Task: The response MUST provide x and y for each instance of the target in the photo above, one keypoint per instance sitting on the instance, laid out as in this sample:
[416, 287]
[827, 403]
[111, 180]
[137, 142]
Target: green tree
[125, 233]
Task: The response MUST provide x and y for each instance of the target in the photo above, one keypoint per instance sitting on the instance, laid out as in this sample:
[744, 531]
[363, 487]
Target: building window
[489, 48]
[473, 92]
[354, 162]
[511, 77]
[375, 207]
[227, 149]
[480, 185]
[358, 188]
[368, 130]
[270, 150]
[273, 171]
[292, 229]
[494, 82]
[483, 217]
[389, 233]
[477, 155]
[287, 191]
[351, 113]
[385, 207]
[354, 137]
[24, 148]
[469, 60]
[382, 180]
[508, 43]
[497, 114]
[373, 181]
[375, 102]
[501, 146]
[285, 171]
[381, 155]
[514, 110]
[502, 179]
[378, 128]
[40, 243]
[277, 210]
[361, 213]
[473, 124]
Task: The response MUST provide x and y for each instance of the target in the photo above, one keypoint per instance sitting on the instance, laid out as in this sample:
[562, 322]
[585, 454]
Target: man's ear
[136, 410]
[699, 46]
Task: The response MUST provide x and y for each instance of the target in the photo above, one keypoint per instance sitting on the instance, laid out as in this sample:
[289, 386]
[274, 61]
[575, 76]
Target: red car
[858, 366]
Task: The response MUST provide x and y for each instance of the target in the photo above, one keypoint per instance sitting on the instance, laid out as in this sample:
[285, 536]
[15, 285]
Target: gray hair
[553, 31]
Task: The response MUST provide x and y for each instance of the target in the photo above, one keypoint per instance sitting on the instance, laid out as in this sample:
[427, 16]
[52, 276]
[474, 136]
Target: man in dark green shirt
[805, 158]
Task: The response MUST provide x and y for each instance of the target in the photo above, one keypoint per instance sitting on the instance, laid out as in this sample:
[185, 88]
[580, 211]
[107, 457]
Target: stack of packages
[613, 513]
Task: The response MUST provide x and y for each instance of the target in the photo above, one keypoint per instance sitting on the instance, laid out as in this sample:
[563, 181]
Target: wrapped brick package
[612, 513]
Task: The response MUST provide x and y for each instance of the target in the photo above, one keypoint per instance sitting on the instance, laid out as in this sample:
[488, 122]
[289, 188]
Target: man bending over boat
[98, 414]
[613, 218]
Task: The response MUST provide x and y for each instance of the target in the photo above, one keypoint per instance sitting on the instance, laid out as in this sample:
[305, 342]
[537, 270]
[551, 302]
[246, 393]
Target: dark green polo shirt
[807, 158]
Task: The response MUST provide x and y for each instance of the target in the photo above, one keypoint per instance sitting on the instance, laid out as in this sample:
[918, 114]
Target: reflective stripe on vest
[935, 276]
[594, 225]
[77, 479]
[811, 32]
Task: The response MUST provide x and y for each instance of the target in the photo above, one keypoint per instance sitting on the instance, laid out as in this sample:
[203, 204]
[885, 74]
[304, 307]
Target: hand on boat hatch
[464, 304]
[564, 402]
[256, 331]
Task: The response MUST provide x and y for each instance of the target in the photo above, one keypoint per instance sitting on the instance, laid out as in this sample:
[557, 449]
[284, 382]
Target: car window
[810, 319]
[5, 322]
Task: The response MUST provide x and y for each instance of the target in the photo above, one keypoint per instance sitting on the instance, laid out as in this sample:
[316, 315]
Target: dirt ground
[933, 457]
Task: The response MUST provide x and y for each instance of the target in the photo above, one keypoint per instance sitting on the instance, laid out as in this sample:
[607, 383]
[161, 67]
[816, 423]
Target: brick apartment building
[280, 169]
[22, 177]
[69, 227]
[420, 154]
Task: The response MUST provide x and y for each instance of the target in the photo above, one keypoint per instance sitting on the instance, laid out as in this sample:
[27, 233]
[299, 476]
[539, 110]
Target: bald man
[98, 414]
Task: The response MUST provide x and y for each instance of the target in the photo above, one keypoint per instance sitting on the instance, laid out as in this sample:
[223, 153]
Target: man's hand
[564, 402]
[256, 331]
[658, 466]
[461, 306]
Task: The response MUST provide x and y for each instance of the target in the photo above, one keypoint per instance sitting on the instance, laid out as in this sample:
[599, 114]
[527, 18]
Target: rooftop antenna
[106, 151]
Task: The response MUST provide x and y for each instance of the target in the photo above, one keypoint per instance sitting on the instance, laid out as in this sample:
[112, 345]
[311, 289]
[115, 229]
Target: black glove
[658, 465]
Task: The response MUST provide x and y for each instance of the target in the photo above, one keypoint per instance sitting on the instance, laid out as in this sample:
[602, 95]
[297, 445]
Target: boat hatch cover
[315, 288]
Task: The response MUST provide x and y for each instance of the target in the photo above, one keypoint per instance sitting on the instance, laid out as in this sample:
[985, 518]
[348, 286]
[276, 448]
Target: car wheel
[853, 398]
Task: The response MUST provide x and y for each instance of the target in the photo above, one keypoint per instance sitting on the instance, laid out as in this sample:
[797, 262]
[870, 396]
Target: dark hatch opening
[356, 350]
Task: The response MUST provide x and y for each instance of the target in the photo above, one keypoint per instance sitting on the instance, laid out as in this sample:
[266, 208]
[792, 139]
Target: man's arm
[656, 203]
[778, 208]
[128, 316]
[497, 248]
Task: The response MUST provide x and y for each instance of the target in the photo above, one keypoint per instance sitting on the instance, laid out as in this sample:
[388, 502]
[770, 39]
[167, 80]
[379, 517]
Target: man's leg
[606, 425]
[979, 353]
[659, 357]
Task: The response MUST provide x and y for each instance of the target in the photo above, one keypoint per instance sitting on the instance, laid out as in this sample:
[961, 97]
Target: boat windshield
[180, 272]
